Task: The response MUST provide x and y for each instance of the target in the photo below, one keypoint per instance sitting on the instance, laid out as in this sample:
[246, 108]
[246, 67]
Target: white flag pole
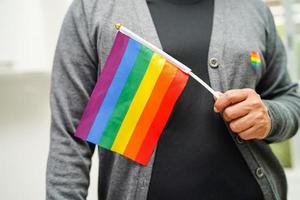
[180, 65]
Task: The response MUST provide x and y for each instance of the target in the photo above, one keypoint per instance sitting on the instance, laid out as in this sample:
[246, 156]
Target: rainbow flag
[255, 60]
[132, 100]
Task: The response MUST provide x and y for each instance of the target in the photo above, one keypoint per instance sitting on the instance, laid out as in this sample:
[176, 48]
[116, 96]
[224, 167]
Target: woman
[201, 154]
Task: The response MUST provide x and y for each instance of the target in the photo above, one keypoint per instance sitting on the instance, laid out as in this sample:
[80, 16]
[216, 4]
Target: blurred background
[28, 35]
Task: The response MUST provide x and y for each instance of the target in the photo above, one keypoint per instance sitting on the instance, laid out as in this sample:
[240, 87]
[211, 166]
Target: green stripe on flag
[135, 77]
[254, 62]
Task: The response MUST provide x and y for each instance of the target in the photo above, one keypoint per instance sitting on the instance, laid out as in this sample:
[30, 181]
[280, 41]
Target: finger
[241, 124]
[230, 97]
[237, 110]
[216, 96]
[252, 133]
[247, 134]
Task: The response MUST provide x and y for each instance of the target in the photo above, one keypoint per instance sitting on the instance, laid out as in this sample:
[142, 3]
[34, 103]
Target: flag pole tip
[118, 26]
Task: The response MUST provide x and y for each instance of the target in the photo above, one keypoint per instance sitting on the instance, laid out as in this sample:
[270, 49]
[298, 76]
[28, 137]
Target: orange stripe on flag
[150, 110]
[161, 117]
[255, 55]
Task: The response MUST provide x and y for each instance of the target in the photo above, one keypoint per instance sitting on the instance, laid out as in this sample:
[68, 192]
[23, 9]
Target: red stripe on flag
[162, 117]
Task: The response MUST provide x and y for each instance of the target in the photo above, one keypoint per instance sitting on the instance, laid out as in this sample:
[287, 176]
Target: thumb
[217, 95]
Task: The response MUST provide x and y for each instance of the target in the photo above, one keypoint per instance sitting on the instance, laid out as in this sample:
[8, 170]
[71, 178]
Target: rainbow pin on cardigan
[255, 60]
[133, 97]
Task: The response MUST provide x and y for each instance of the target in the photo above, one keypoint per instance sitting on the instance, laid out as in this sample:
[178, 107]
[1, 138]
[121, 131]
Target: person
[210, 148]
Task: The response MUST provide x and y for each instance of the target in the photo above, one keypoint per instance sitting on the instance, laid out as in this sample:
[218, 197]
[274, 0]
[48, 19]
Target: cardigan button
[259, 172]
[213, 63]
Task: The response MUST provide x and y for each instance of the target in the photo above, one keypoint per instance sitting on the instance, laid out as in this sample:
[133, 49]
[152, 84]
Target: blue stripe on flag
[114, 91]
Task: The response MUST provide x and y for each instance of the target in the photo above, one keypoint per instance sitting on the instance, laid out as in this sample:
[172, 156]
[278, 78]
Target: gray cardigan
[84, 43]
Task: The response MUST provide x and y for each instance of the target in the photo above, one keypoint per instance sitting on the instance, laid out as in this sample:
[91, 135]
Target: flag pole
[180, 65]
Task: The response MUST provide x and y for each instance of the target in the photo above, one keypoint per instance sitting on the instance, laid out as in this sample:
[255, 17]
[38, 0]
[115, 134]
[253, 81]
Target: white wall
[24, 136]
[28, 33]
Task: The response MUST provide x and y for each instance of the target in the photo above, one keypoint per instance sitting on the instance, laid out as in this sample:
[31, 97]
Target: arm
[73, 78]
[272, 111]
[277, 90]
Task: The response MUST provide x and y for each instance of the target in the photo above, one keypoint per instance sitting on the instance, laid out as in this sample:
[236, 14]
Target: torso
[196, 157]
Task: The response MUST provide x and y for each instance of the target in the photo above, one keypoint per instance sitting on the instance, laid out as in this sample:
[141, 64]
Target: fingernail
[217, 95]
[215, 109]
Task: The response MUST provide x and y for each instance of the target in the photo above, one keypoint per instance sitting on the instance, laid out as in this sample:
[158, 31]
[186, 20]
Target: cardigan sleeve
[276, 88]
[73, 78]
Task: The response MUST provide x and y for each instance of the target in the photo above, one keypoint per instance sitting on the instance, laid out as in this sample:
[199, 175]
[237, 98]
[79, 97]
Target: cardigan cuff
[277, 121]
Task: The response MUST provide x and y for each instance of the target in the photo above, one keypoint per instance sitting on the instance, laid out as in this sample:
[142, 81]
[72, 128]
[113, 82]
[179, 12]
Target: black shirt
[196, 157]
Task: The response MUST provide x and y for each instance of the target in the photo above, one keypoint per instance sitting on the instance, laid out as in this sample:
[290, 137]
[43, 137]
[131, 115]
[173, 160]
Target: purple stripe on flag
[102, 85]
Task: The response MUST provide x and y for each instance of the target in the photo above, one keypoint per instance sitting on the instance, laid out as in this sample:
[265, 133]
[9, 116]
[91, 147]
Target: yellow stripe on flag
[255, 59]
[138, 103]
